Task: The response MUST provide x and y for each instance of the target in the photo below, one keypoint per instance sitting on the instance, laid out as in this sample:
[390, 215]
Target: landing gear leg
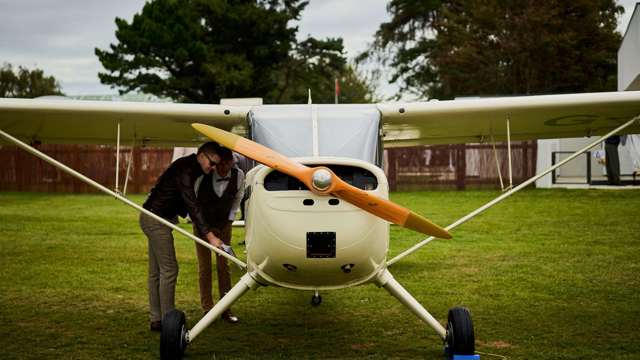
[459, 332]
[175, 339]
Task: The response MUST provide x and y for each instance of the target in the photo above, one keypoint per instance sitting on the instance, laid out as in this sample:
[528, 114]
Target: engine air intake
[321, 245]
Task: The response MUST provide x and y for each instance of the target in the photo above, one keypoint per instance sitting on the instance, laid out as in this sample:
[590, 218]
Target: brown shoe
[156, 326]
[229, 317]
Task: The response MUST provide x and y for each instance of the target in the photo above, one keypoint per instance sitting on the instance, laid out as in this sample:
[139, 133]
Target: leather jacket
[174, 195]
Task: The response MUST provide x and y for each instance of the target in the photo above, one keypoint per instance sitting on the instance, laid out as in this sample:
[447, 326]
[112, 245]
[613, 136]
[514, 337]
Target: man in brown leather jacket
[174, 195]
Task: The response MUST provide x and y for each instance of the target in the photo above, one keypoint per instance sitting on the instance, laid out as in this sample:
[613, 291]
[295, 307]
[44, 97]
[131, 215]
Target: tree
[315, 65]
[204, 50]
[25, 83]
[448, 48]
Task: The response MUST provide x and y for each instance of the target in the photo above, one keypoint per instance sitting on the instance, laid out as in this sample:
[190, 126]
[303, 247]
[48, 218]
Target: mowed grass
[547, 274]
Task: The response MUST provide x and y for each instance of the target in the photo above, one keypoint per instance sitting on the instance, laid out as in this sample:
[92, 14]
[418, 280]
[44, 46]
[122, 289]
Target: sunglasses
[211, 162]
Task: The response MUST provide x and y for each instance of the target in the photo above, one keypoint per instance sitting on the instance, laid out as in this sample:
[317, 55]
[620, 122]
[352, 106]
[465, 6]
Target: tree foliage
[25, 83]
[315, 65]
[204, 50]
[448, 48]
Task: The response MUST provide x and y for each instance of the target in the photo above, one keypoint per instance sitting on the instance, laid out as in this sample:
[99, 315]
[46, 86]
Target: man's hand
[214, 240]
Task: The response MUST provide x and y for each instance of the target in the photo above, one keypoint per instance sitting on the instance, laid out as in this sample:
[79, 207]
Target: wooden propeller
[321, 180]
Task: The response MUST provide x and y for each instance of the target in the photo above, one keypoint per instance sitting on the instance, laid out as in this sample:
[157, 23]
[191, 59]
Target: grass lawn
[547, 274]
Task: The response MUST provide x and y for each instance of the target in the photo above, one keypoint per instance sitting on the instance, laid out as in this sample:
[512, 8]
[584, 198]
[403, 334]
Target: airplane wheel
[316, 300]
[173, 339]
[460, 338]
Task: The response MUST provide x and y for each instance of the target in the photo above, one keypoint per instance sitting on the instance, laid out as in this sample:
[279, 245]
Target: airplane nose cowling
[299, 239]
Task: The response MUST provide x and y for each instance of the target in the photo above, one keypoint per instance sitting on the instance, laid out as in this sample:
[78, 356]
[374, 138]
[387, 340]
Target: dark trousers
[612, 163]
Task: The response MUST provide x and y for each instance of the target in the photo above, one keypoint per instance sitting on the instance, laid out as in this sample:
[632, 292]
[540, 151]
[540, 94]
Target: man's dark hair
[225, 154]
[209, 148]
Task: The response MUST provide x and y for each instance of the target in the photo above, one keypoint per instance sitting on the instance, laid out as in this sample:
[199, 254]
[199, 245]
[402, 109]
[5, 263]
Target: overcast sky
[59, 36]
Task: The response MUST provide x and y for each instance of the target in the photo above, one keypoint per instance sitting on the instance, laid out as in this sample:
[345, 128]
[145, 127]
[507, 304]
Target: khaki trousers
[204, 268]
[163, 267]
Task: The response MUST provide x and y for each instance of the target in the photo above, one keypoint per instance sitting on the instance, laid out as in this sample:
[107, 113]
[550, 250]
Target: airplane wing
[530, 117]
[404, 124]
[95, 122]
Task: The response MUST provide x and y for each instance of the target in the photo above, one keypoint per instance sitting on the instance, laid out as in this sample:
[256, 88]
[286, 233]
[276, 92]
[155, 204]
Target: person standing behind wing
[173, 195]
[612, 160]
[219, 195]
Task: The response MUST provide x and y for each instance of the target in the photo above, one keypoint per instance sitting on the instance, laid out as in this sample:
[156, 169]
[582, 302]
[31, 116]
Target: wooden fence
[22, 171]
[412, 168]
[459, 166]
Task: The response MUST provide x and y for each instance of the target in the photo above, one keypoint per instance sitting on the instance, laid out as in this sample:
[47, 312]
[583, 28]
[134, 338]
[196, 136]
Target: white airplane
[318, 212]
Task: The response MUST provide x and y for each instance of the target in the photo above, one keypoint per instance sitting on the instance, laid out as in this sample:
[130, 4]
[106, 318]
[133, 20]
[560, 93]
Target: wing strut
[104, 189]
[117, 189]
[486, 206]
[129, 162]
[495, 156]
[509, 154]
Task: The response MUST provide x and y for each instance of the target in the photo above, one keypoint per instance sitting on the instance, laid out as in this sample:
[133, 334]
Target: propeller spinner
[322, 181]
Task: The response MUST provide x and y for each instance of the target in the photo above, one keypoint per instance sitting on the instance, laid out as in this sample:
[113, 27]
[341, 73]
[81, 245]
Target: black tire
[460, 337]
[172, 339]
[316, 300]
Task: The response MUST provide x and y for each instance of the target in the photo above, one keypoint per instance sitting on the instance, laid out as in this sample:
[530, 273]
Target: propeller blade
[387, 210]
[257, 152]
[323, 181]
